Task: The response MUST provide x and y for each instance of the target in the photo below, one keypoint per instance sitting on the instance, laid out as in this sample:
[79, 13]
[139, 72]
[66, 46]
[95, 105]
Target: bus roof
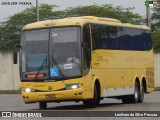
[80, 21]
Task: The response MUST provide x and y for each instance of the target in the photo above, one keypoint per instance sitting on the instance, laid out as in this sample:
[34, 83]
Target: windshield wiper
[40, 68]
[56, 64]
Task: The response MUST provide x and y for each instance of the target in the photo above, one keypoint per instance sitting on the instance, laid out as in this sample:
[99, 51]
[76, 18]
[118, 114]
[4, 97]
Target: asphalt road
[14, 102]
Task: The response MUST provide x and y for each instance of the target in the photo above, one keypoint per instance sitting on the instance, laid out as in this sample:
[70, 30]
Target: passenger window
[87, 48]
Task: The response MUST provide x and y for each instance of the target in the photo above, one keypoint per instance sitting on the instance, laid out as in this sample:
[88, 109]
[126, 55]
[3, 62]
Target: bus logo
[50, 88]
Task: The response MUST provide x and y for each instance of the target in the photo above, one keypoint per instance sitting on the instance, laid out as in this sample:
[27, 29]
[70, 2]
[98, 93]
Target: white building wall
[157, 69]
[9, 73]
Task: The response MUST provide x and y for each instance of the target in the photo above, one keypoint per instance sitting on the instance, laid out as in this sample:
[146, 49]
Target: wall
[9, 73]
[157, 69]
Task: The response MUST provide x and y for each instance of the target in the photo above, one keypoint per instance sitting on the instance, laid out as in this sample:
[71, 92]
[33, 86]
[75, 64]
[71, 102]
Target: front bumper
[63, 95]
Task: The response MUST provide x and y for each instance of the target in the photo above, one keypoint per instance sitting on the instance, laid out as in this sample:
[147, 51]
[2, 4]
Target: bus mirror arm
[14, 57]
[84, 45]
[17, 46]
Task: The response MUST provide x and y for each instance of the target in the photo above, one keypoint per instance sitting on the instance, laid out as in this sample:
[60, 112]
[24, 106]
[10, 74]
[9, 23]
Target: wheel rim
[136, 94]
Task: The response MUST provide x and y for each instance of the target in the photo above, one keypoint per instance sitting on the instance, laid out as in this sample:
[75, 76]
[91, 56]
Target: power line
[128, 9]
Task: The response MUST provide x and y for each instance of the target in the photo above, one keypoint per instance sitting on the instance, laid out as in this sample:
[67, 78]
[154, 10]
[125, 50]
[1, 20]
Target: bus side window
[87, 49]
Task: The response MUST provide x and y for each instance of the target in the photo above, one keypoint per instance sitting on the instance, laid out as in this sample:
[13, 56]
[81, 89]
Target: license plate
[50, 96]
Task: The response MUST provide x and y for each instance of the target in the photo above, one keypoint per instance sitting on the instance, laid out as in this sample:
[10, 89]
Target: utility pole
[37, 10]
[148, 15]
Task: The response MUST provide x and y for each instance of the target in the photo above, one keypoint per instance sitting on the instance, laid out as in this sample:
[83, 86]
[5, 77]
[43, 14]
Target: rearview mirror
[14, 57]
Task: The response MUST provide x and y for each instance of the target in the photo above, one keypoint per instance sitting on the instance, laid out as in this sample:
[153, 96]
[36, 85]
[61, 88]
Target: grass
[10, 91]
[157, 89]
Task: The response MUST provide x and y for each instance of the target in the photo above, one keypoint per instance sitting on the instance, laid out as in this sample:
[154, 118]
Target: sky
[7, 10]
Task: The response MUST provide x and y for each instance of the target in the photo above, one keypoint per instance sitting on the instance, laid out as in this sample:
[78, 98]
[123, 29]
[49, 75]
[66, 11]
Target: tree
[156, 27]
[10, 30]
[156, 41]
[107, 11]
[156, 17]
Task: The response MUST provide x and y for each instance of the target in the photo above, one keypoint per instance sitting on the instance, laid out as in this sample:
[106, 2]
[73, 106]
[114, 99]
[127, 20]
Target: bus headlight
[74, 86]
[28, 89]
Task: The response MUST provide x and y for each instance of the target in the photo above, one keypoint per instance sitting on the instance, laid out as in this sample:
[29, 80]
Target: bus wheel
[95, 101]
[132, 98]
[136, 95]
[141, 96]
[42, 105]
[126, 99]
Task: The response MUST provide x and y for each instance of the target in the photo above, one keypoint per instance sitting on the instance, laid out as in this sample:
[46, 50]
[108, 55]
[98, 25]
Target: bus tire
[42, 105]
[94, 101]
[136, 95]
[141, 96]
[132, 98]
[126, 99]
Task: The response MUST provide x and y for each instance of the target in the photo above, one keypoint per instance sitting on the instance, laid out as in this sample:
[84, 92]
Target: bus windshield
[50, 53]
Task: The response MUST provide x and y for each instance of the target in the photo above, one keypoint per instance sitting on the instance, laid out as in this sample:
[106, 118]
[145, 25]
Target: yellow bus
[85, 59]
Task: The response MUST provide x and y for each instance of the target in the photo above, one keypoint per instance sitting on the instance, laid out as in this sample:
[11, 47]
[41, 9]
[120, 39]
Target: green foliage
[10, 30]
[156, 27]
[104, 11]
[8, 45]
[156, 41]
[156, 18]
